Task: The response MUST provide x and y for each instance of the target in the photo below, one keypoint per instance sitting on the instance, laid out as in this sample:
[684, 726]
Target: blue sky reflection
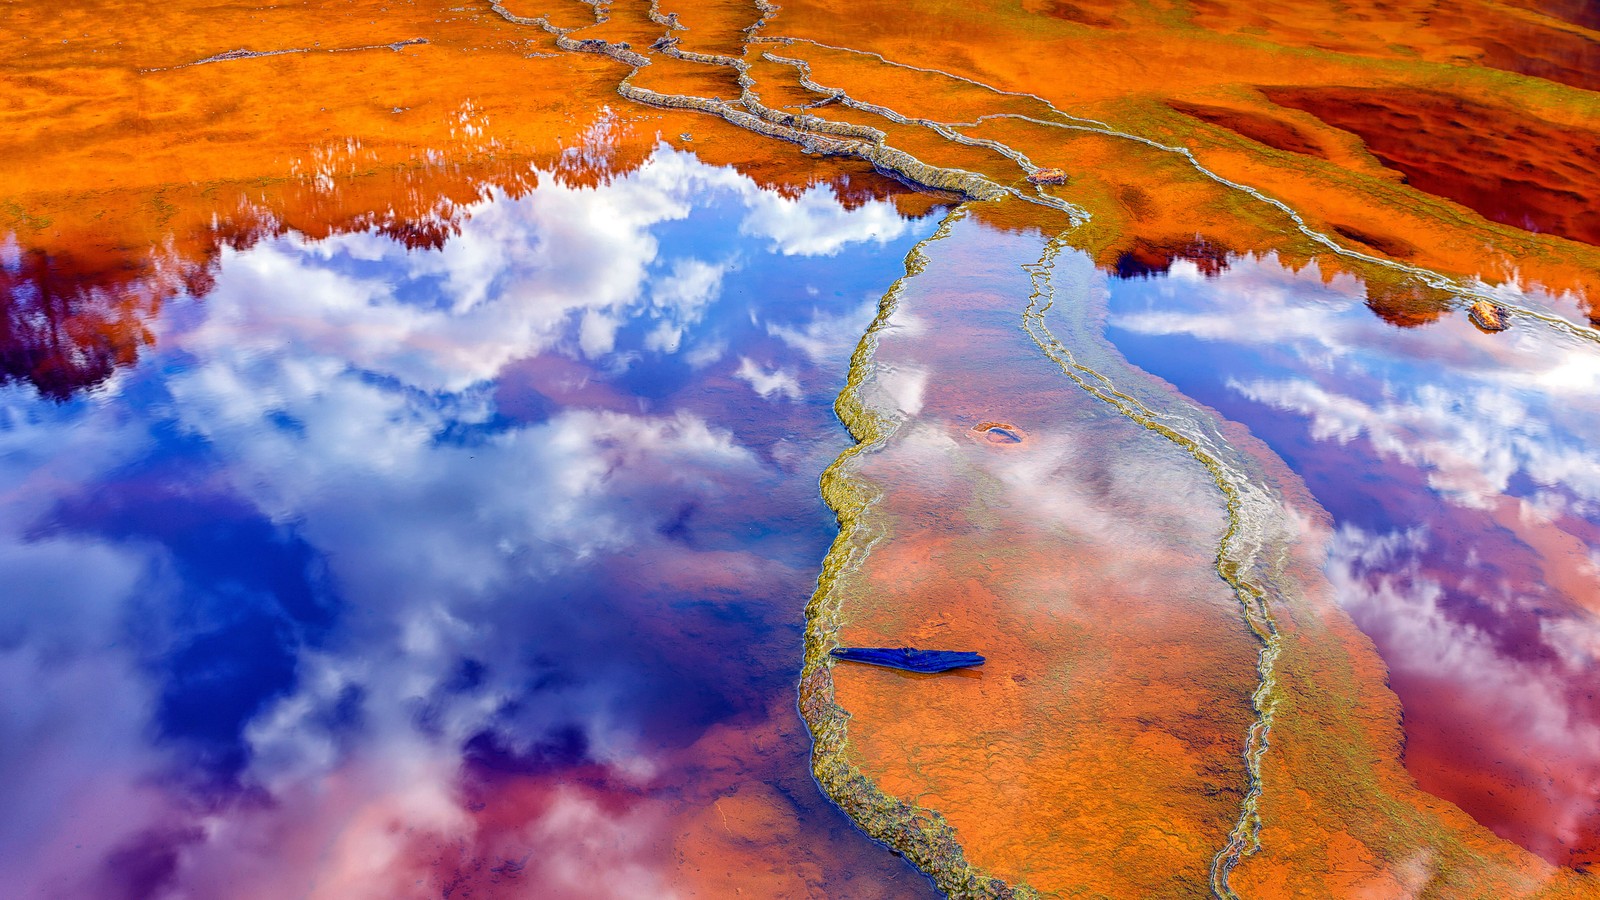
[376, 530]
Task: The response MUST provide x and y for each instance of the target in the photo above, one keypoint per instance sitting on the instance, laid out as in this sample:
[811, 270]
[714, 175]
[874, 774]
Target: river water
[463, 568]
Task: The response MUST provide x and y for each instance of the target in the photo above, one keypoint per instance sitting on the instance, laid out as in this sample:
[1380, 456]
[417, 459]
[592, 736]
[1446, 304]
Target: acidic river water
[441, 445]
[1464, 488]
[476, 565]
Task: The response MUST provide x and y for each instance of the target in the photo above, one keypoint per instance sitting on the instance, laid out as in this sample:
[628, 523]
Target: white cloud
[681, 299]
[902, 385]
[815, 224]
[780, 382]
[520, 270]
[1471, 410]
[333, 379]
[824, 337]
[1525, 721]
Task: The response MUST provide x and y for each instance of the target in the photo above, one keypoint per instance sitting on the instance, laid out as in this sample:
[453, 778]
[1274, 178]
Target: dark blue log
[909, 658]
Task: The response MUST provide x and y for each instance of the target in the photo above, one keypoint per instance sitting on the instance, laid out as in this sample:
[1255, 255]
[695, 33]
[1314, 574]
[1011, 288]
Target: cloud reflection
[1544, 740]
[1462, 470]
[477, 499]
[1474, 411]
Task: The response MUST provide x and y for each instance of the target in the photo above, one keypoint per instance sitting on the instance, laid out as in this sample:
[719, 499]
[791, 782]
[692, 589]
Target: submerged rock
[1488, 316]
[998, 433]
[1049, 175]
[909, 658]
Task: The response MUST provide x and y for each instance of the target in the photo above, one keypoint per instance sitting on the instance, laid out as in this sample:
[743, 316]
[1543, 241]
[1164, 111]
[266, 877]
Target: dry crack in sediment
[243, 53]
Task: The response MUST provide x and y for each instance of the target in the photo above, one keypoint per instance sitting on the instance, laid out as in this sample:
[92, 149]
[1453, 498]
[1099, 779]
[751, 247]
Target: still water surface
[401, 566]
[453, 569]
[1461, 474]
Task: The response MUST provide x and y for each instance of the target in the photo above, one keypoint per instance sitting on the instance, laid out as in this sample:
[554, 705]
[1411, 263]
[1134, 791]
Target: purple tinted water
[1461, 472]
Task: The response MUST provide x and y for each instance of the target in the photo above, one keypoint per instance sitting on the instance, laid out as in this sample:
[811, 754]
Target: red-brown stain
[1263, 129]
[1510, 167]
[1578, 12]
[1406, 305]
[1143, 257]
[1547, 53]
[67, 321]
[1079, 14]
[1387, 244]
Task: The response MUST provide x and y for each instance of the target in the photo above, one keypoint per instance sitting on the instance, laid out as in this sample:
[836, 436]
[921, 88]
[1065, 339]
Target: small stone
[1489, 317]
[1048, 176]
[1002, 433]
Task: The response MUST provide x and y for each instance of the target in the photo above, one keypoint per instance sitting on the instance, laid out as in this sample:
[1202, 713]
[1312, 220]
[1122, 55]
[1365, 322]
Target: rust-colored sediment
[1260, 127]
[1140, 66]
[1578, 12]
[1511, 167]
